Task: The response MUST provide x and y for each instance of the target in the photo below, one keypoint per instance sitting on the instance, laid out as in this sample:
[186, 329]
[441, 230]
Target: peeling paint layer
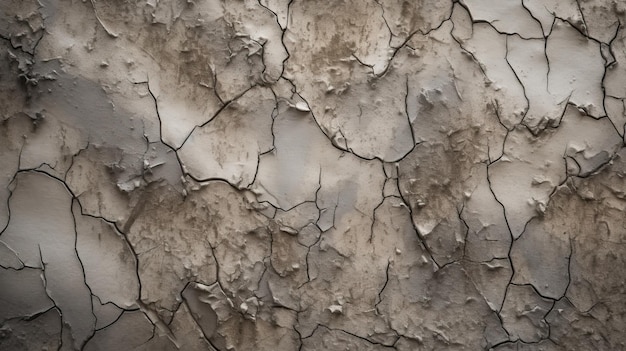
[296, 175]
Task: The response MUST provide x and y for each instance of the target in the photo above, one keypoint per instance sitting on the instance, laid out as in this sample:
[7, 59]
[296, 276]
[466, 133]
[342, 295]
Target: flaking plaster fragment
[545, 11]
[531, 168]
[491, 50]
[94, 177]
[12, 63]
[488, 234]
[551, 276]
[576, 68]
[131, 330]
[9, 258]
[543, 345]
[342, 79]
[523, 314]
[21, 24]
[99, 244]
[444, 301]
[491, 279]
[219, 317]
[49, 244]
[331, 339]
[106, 314]
[39, 332]
[13, 130]
[599, 21]
[27, 298]
[285, 175]
[169, 250]
[228, 147]
[288, 256]
[405, 18]
[508, 16]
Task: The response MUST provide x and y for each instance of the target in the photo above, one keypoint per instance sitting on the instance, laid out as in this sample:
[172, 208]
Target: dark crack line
[510, 235]
[196, 321]
[475, 21]
[420, 236]
[379, 296]
[82, 269]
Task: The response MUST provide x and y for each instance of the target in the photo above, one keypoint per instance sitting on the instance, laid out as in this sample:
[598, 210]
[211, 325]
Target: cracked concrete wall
[298, 175]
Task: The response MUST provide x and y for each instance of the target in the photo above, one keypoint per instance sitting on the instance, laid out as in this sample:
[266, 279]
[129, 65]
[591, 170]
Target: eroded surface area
[298, 175]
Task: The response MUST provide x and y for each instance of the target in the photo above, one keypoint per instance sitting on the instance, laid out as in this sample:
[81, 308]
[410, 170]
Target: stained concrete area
[312, 175]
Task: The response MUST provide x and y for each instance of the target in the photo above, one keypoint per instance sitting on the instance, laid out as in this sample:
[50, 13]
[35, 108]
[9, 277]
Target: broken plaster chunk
[298, 216]
[350, 94]
[106, 314]
[288, 230]
[600, 22]
[564, 316]
[280, 8]
[252, 20]
[335, 309]
[131, 330]
[616, 72]
[26, 296]
[49, 243]
[309, 235]
[459, 301]
[528, 61]
[228, 147]
[327, 339]
[290, 174]
[523, 314]
[578, 80]
[391, 188]
[183, 333]
[491, 280]
[288, 255]
[491, 49]
[405, 20]
[108, 260]
[508, 16]
[488, 233]
[302, 106]
[9, 258]
[42, 332]
[546, 10]
[530, 157]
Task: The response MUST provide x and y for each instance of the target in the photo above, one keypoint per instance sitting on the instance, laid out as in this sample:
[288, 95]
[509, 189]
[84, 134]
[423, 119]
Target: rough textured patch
[300, 175]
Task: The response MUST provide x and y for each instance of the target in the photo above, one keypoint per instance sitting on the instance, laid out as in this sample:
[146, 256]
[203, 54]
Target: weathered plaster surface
[312, 175]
